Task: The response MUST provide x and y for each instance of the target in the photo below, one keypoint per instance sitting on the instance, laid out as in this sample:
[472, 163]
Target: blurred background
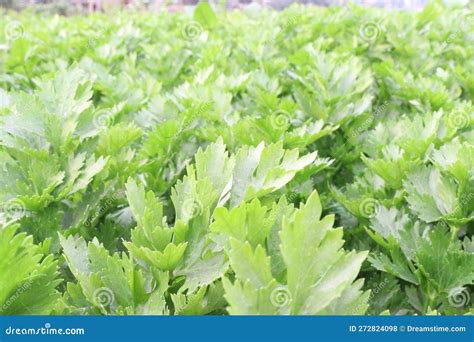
[87, 6]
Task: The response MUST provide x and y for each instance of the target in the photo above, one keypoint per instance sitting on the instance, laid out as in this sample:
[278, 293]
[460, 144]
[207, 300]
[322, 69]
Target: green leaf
[430, 194]
[28, 278]
[319, 273]
[204, 15]
[249, 265]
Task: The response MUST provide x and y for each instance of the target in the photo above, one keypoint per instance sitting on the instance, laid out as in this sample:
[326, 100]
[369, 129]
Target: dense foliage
[313, 161]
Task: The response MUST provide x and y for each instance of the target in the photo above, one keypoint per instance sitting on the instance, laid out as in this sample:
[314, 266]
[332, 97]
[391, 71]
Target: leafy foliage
[185, 165]
[29, 276]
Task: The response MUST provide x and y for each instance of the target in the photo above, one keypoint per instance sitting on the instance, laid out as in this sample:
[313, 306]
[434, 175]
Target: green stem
[454, 232]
